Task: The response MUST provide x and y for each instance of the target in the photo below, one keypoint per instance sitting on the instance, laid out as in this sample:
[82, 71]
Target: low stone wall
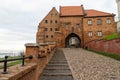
[17, 72]
[111, 46]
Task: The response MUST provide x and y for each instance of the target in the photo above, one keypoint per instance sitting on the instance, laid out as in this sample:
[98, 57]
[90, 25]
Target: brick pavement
[87, 65]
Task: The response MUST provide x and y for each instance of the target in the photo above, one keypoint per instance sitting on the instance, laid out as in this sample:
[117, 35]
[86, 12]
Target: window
[45, 29]
[89, 22]
[67, 25]
[51, 21]
[108, 21]
[50, 29]
[51, 14]
[56, 29]
[55, 14]
[46, 36]
[55, 21]
[99, 22]
[99, 33]
[51, 36]
[77, 25]
[90, 33]
[46, 21]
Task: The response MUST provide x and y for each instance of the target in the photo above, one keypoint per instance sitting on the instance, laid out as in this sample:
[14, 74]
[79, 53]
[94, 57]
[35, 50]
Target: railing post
[23, 60]
[5, 66]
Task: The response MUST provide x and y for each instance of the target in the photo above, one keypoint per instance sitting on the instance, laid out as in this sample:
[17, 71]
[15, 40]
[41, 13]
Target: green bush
[112, 36]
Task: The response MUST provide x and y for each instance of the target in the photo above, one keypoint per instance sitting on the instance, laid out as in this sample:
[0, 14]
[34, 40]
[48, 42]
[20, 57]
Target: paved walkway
[87, 65]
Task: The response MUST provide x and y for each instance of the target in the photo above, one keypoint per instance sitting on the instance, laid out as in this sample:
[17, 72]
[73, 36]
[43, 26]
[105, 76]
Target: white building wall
[118, 23]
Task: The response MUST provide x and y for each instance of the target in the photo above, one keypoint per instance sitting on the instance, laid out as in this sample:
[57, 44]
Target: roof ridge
[98, 11]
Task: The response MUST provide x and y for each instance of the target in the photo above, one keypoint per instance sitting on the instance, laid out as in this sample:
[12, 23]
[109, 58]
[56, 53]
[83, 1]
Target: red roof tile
[71, 10]
[92, 13]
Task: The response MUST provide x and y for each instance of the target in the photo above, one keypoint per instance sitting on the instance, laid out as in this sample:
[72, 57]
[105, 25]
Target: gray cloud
[19, 18]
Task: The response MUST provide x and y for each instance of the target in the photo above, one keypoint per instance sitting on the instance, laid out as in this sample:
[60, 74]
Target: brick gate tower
[75, 26]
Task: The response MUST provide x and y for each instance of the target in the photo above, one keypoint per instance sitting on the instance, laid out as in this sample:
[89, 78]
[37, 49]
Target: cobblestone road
[87, 65]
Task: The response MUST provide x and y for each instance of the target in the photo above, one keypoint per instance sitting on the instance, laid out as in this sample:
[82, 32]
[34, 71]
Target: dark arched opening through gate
[72, 40]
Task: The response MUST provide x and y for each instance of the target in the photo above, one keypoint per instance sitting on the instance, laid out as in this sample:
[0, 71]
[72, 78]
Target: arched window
[55, 21]
[46, 21]
[46, 36]
[51, 36]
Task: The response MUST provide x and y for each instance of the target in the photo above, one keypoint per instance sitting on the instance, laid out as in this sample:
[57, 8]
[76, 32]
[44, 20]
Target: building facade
[118, 23]
[75, 26]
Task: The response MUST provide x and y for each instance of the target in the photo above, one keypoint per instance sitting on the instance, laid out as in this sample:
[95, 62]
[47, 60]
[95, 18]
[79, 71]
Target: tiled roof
[92, 13]
[71, 10]
[79, 11]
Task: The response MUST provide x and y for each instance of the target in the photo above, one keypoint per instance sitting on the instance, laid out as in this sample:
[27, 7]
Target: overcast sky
[19, 18]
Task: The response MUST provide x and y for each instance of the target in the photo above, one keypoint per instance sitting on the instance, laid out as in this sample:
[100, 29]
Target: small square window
[99, 22]
[89, 22]
[51, 21]
[51, 14]
[56, 29]
[90, 34]
[108, 21]
[50, 29]
[77, 25]
[67, 25]
[51, 36]
[46, 36]
[99, 33]
[46, 21]
[55, 14]
[55, 21]
[45, 29]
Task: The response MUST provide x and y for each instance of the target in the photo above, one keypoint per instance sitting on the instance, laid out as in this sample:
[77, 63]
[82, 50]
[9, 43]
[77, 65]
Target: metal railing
[8, 60]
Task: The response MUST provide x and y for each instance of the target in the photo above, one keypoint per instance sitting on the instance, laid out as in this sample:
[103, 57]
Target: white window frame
[89, 22]
[108, 21]
[90, 33]
[99, 33]
[99, 21]
[78, 25]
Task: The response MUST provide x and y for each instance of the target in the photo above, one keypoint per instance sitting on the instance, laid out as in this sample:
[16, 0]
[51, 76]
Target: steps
[58, 68]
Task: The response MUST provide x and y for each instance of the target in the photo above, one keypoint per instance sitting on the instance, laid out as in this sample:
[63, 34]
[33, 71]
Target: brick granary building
[75, 26]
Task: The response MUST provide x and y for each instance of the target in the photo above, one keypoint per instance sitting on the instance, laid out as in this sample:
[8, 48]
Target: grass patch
[12, 63]
[11, 57]
[114, 56]
[112, 36]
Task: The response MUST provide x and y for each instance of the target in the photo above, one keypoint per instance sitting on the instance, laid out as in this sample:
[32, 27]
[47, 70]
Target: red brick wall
[111, 46]
[31, 50]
